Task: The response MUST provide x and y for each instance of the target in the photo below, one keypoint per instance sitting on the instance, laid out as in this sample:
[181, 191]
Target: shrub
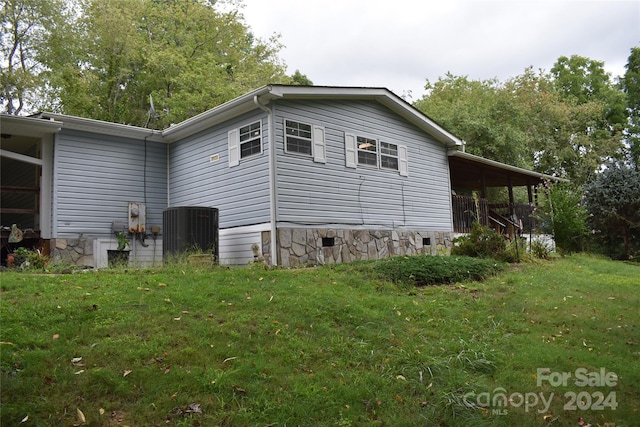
[540, 249]
[613, 203]
[481, 242]
[422, 270]
[563, 215]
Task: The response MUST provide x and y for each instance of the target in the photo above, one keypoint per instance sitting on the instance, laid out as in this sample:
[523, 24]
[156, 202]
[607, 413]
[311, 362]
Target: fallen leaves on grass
[193, 408]
[81, 416]
[239, 389]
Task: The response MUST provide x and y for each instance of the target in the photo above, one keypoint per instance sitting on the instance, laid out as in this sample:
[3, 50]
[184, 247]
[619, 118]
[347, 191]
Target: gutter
[272, 181]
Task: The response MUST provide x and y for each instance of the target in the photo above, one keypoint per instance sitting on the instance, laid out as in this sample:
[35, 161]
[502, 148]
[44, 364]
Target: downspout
[272, 181]
[168, 177]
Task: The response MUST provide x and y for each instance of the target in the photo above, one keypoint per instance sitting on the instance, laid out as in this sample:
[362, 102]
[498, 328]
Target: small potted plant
[119, 257]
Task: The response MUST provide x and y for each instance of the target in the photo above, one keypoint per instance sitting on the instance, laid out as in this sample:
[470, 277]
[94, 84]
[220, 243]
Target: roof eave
[504, 166]
[214, 116]
[28, 126]
[265, 94]
[382, 95]
[106, 128]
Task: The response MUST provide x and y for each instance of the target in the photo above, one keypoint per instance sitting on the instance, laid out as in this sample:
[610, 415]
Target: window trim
[286, 139]
[352, 149]
[374, 142]
[250, 140]
[318, 143]
[391, 156]
[234, 146]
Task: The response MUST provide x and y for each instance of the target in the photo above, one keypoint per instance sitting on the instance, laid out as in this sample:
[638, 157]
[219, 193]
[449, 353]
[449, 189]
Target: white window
[305, 139]
[369, 152]
[298, 138]
[250, 140]
[388, 155]
[244, 142]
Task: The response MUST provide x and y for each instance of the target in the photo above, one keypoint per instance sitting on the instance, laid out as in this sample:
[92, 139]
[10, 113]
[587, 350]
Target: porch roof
[474, 172]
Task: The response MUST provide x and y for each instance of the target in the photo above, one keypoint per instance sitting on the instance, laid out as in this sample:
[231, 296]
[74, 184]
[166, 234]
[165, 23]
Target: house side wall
[95, 177]
[237, 244]
[312, 193]
[241, 192]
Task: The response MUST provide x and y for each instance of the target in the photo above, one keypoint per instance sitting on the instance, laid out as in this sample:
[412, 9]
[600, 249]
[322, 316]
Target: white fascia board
[382, 95]
[106, 128]
[246, 103]
[28, 126]
[216, 115]
[504, 166]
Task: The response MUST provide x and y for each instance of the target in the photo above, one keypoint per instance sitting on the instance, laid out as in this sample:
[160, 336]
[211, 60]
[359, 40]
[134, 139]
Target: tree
[562, 214]
[26, 27]
[613, 202]
[186, 56]
[482, 113]
[631, 86]
[300, 79]
[598, 114]
[567, 123]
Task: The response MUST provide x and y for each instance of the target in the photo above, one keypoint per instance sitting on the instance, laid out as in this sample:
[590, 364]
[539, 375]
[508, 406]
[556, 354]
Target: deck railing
[466, 210]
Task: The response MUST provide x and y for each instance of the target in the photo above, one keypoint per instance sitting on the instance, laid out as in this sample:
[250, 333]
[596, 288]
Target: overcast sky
[398, 44]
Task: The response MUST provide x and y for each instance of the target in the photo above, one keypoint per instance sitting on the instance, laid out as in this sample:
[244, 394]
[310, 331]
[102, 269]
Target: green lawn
[333, 346]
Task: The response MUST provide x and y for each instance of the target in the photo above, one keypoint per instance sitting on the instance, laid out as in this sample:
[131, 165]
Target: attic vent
[328, 242]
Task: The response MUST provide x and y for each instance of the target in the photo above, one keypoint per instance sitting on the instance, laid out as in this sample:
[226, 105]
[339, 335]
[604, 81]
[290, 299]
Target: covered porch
[472, 174]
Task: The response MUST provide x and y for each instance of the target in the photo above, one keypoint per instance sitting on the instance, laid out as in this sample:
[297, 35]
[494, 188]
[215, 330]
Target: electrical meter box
[137, 217]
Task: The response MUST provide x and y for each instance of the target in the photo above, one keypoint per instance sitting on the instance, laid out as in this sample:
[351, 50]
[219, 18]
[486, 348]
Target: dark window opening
[328, 242]
[426, 241]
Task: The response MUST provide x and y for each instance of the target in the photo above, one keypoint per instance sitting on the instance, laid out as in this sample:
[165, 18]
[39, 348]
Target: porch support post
[483, 180]
[512, 204]
[511, 200]
[512, 209]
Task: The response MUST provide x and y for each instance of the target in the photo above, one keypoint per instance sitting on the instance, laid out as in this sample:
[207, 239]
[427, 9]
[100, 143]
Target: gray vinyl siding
[95, 178]
[310, 193]
[241, 193]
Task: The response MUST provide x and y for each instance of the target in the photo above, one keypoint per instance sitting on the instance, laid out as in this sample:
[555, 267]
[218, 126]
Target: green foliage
[122, 240]
[30, 259]
[562, 214]
[27, 26]
[613, 202]
[477, 112]
[566, 123]
[184, 56]
[434, 270]
[300, 79]
[483, 242]
[540, 249]
[631, 87]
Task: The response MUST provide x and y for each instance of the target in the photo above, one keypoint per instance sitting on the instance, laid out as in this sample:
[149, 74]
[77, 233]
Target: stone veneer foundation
[313, 246]
[72, 251]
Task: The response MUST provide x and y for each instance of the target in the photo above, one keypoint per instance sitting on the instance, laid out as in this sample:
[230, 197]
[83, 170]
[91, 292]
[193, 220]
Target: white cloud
[400, 43]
